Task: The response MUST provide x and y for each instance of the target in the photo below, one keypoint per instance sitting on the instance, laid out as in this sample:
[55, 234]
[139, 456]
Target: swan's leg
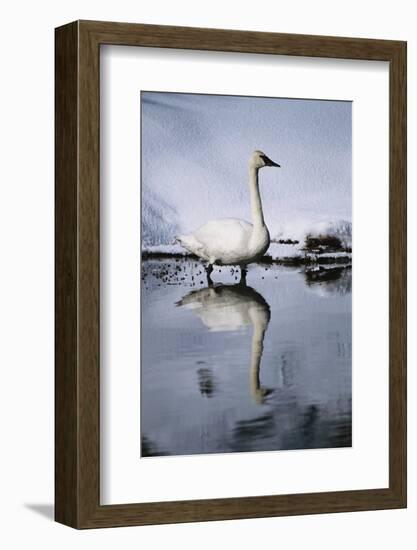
[243, 273]
[209, 270]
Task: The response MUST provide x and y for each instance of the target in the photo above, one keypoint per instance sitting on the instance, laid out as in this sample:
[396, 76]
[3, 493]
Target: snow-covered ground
[300, 228]
[282, 251]
[276, 251]
[165, 249]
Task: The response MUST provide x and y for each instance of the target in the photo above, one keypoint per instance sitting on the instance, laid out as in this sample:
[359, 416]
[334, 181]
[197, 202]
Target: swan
[232, 241]
[233, 308]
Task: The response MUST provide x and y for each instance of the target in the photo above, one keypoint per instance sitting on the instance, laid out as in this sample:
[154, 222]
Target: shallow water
[232, 368]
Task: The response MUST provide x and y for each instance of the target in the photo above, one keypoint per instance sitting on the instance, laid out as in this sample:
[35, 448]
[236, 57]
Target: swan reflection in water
[231, 308]
[203, 350]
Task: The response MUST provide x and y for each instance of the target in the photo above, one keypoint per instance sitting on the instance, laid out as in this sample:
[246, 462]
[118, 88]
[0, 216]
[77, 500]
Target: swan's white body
[232, 241]
[228, 241]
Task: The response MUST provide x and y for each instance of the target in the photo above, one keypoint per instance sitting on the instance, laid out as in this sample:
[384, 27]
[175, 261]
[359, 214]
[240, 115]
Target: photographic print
[246, 274]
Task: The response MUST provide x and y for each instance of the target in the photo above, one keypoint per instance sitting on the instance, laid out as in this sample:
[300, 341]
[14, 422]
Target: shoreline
[339, 258]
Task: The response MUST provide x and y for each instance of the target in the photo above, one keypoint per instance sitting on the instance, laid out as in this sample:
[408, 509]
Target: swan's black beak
[269, 162]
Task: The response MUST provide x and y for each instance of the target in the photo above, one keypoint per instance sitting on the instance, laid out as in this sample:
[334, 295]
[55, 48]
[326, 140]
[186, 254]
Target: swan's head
[259, 160]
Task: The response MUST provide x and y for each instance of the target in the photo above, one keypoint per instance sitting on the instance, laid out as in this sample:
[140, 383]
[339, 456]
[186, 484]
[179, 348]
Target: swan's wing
[229, 231]
[224, 240]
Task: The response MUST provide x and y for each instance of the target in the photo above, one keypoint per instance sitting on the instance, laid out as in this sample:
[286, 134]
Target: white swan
[231, 241]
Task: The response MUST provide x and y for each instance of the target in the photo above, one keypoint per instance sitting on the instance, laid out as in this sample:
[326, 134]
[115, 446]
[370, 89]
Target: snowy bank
[280, 253]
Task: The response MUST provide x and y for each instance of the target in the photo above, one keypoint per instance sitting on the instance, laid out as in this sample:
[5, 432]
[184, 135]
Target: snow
[168, 249]
[276, 251]
[335, 255]
[299, 229]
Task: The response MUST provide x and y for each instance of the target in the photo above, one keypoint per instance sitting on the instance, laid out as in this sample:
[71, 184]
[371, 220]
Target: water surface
[229, 368]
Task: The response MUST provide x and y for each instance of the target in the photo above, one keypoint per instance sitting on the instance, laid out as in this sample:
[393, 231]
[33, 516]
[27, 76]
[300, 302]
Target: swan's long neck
[255, 198]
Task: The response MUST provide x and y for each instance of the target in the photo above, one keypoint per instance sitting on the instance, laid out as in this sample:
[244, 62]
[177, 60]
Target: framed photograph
[230, 274]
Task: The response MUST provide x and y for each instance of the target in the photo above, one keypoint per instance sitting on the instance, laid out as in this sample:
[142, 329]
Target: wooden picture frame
[77, 374]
